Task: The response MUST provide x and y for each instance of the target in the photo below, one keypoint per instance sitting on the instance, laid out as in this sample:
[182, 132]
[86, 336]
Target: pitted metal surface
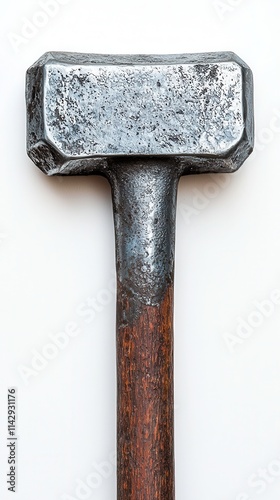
[143, 110]
[86, 109]
[144, 199]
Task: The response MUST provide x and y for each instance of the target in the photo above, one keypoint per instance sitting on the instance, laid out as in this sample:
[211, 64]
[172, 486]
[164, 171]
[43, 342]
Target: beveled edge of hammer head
[200, 111]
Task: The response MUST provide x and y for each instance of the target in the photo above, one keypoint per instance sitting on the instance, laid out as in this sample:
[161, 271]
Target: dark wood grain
[145, 399]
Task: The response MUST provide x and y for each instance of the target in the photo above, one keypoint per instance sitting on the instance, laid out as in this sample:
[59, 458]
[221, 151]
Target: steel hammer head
[84, 111]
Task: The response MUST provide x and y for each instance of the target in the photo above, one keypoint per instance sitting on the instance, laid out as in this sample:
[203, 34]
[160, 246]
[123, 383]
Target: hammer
[142, 122]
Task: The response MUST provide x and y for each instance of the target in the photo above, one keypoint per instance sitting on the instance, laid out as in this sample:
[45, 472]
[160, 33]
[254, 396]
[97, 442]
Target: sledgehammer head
[85, 110]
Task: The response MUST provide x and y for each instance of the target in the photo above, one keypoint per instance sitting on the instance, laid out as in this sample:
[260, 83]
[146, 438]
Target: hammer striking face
[141, 121]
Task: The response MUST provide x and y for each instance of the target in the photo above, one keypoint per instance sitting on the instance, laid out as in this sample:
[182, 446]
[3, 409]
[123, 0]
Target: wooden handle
[145, 401]
[144, 199]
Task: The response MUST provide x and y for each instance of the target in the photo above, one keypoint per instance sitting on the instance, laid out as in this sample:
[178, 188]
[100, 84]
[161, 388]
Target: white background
[57, 250]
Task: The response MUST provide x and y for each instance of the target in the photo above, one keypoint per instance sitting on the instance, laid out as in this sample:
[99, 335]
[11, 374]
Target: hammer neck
[144, 203]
